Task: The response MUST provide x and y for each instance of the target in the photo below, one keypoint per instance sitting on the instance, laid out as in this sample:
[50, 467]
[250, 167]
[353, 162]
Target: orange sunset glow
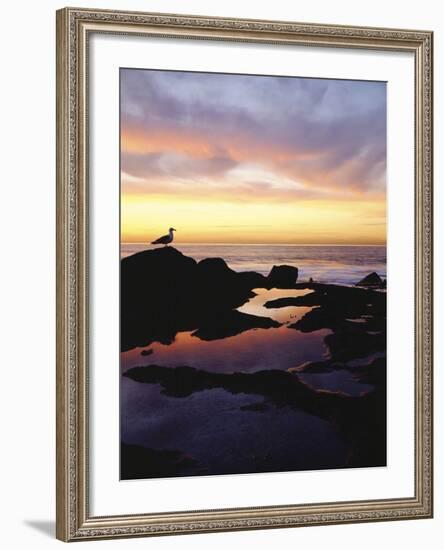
[252, 159]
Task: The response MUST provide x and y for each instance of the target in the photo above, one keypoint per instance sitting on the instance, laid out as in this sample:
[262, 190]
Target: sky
[252, 159]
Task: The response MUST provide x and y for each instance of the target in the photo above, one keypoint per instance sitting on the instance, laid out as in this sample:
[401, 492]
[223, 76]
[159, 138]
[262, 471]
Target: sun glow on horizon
[197, 221]
[252, 160]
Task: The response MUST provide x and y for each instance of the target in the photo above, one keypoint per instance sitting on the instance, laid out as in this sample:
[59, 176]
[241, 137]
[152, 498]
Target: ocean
[324, 263]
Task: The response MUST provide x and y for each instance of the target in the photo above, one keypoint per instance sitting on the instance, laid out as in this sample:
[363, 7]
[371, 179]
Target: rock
[281, 387]
[215, 268]
[337, 304]
[282, 276]
[311, 299]
[373, 280]
[231, 323]
[374, 373]
[153, 285]
[217, 284]
[251, 279]
[137, 462]
[317, 367]
[164, 292]
[319, 318]
[355, 316]
[345, 345]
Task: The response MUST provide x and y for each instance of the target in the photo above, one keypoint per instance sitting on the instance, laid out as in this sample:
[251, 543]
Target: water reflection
[211, 427]
[238, 433]
[274, 348]
[336, 381]
[255, 306]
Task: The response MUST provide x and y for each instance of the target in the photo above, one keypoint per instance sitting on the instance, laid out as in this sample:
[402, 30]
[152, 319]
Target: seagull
[166, 239]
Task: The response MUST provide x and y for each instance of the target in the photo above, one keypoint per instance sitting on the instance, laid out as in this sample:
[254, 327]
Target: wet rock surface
[373, 280]
[230, 323]
[139, 462]
[282, 276]
[164, 292]
[356, 316]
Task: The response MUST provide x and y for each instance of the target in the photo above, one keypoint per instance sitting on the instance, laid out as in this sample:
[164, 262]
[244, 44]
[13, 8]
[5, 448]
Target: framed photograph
[244, 274]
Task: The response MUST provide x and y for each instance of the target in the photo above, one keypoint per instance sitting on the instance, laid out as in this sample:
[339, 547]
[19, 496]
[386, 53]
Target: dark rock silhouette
[345, 300]
[138, 462]
[373, 280]
[253, 280]
[282, 276]
[353, 314]
[345, 345]
[281, 386]
[230, 323]
[318, 367]
[356, 316]
[374, 373]
[338, 307]
[164, 292]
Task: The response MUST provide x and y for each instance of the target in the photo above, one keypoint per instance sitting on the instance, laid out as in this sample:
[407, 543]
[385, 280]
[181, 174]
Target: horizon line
[262, 244]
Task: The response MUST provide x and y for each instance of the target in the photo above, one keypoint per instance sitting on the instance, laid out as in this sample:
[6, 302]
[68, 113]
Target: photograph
[253, 273]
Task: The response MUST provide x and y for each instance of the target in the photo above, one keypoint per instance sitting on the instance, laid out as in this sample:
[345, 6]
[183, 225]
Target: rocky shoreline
[164, 292]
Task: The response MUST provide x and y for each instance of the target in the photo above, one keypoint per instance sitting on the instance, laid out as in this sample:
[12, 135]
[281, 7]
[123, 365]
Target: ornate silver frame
[74, 521]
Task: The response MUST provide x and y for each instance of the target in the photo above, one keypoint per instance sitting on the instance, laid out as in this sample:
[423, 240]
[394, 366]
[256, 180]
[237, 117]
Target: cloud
[174, 164]
[257, 136]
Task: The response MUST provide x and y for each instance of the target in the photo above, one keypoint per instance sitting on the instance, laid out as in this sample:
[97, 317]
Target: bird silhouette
[165, 239]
